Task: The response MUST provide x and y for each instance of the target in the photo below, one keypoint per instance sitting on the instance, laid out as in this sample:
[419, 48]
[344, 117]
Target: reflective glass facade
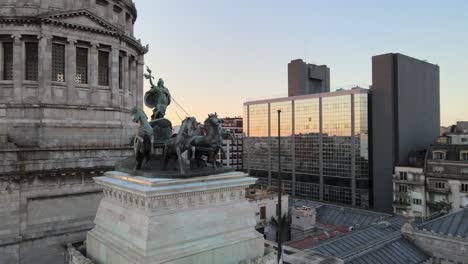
[324, 145]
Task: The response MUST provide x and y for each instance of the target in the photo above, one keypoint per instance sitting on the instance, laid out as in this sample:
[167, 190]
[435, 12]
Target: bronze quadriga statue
[188, 146]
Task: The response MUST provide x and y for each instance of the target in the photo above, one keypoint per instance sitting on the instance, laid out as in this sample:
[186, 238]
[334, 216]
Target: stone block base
[196, 220]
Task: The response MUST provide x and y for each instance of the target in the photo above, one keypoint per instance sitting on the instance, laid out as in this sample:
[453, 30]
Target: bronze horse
[180, 143]
[211, 143]
[143, 141]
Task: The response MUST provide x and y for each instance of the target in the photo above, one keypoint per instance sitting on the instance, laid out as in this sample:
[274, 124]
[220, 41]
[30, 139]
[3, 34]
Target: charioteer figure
[158, 97]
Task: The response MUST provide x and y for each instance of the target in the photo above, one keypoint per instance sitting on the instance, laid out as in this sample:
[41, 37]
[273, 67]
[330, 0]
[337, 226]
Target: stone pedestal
[153, 220]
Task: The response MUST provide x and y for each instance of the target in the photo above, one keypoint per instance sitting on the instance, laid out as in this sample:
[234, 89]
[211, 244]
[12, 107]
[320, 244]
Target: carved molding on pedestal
[175, 201]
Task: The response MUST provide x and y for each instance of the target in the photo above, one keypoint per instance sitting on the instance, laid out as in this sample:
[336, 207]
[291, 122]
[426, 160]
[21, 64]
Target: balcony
[402, 194]
[433, 189]
[401, 204]
[414, 180]
[442, 205]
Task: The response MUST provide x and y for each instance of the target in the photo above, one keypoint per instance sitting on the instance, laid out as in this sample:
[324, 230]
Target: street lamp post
[280, 229]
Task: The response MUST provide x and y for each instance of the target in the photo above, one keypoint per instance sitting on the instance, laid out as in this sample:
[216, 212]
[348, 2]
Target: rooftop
[357, 90]
[455, 225]
[452, 151]
[395, 251]
[340, 215]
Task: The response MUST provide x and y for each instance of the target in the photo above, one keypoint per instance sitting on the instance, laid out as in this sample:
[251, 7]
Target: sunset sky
[215, 54]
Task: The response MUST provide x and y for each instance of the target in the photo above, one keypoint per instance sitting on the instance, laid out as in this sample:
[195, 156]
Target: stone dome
[67, 68]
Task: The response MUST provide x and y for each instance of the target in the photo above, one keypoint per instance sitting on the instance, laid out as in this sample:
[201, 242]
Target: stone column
[45, 67]
[115, 77]
[133, 81]
[110, 13]
[139, 82]
[94, 72]
[71, 70]
[17, 68]
[125, 82]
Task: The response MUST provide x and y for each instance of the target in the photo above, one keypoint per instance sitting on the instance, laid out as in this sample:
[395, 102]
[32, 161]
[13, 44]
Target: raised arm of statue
[149, 76]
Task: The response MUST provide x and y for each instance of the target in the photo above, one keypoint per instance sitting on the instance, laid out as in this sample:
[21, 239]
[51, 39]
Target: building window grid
[403, 188]
[361, 136]
[439, 185]
[336, 136]
[257, 144]
[103, 68]
[286, 136]
[336, 143]
[337, 194]
[438, 155]
[464, 155]
[7, 61]
[403, 175]
[307, 138]
[464, 187]
[31, 61]
[58, 62]
[121, 85]
[81, 66]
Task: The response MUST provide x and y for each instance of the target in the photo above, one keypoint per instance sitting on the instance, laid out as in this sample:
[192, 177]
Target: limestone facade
[70, 71]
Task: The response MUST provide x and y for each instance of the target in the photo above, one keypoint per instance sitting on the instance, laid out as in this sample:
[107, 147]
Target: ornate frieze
[175, 201]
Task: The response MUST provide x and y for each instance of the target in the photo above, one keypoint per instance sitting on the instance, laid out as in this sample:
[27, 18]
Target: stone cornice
[161, 194]
[175, 201]
[81, 12]
[82, 148]
[63, 106]
[52, 21]
[22, 175]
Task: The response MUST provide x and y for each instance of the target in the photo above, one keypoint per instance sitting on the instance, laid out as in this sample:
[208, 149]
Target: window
[262, 213]
[58, 62]
[32, 61]
[438, 169]
[81, 66]
[464, 139]
[403, 188]
[464, 171]
[120, 72]
[103, 78]
[438, 155]
[7, 61]
[464, 187]
[464, 155]
[403, 175]
[117, 9]
[102, 2]
[439, 185]
[417, 201]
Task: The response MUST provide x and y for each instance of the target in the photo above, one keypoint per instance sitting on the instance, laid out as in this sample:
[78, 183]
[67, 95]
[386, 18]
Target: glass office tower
[324, 145]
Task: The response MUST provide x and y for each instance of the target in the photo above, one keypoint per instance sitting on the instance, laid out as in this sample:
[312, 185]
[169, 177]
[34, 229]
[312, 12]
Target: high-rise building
[70, 72]
[304, 78]
[232, 148]
[324, 145]
[405, 117]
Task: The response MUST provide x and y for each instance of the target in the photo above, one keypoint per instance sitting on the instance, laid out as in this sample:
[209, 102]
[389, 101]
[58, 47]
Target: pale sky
[215, 54]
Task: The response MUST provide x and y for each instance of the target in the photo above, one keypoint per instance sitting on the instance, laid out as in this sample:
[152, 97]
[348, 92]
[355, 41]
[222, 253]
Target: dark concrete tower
[405, 116]
[306, 78]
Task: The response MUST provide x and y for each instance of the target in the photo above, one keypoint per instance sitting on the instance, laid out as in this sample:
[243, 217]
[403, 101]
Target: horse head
[138, 115]
[213, 120]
